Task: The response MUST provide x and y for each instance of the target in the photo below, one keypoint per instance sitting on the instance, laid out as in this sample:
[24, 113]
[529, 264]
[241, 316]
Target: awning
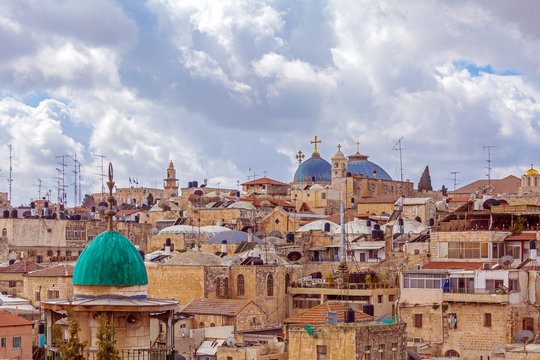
[209, 348]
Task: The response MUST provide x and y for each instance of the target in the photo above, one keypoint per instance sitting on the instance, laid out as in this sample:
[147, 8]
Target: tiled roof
[507, 185]
[264, 181]
[56, 271]
[8, 319]
[317, 314]
[522, 236]
[215, 306]
[457, 265]
[22, 266]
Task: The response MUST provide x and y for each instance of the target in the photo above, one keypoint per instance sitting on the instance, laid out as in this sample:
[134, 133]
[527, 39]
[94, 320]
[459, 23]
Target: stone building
[12, 276]
[310, 335]
[15, 337]
[241, 314]
[49, 283]
[265, 186]
[170, 183]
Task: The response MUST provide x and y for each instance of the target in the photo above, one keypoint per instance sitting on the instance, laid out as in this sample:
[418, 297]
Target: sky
[228, 89]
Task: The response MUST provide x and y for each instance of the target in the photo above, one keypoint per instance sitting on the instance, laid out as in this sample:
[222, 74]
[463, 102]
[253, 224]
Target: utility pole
[102, 175]
[488, 167]
[10, 180]
[397, 147]
[455, 178]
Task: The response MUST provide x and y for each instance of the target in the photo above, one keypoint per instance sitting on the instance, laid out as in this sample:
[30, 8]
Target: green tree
[444, 190]
[105, 339]
[73, 348]
[425, 181]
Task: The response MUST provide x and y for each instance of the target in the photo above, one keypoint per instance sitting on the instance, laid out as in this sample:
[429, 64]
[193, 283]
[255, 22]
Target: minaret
[339, 165]
[170, 185]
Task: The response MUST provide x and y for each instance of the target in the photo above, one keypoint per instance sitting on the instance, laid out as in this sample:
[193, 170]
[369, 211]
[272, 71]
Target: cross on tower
[339, 147]
[316, 142]
[300, 156]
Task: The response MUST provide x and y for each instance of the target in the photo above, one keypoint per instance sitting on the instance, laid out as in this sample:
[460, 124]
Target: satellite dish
[230, 341]
[413, 355]
[134, 321]
[506, 261]
[524, 336]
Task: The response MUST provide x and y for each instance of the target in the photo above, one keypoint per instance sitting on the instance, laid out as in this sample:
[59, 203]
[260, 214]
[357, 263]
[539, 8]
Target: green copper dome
[110, 259]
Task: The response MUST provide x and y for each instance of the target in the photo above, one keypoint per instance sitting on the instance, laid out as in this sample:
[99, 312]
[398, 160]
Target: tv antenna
[397, 147]
[488, 167]
[455, 178]
[39, 188]
[102, 175]
[62, 197]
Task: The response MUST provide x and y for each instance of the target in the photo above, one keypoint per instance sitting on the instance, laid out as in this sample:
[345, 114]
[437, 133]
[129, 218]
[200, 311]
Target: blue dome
[314, 169]
[359, 164]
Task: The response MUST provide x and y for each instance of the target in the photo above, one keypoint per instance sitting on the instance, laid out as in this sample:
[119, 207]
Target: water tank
[93, 209]
[431, 222]
[168, 242]
[368, 309]
[41, 328]
[289, 237]
[6, 214]
[377, 227]
[257, 262]
[418, 218]
[190, 185]
[46, 204]
[327, 227]
[368, 223]
[77, 217]
[195, 184]
[14, 214]
[137, 218]
[348, 316]
[400, 222]
[11, 261]
[32, 205]
[532, 244]
[61, 215]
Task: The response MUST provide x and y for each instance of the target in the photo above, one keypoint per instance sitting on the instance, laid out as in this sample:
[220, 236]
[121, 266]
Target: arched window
[270, 285]
[226, 287]
[201, 325]
[218, 287]
[212, 325]
[451, 353]
[287, 281]
[4, 232]
[240, 285]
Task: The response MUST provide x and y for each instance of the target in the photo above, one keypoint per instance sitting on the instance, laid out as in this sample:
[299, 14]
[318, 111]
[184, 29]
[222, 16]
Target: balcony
[496, 296]
[159, 353]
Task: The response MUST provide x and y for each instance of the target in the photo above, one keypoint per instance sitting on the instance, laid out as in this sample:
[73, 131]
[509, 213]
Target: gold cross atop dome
[300, 156]
[339, 147]
[358, 148]
[316, 142]
[110, 199]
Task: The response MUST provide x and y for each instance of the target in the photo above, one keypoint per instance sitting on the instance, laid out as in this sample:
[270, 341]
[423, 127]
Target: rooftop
[56, 271]
[22, 266]
[457, 265]
[215, 307]
[317, 314]
[8, 319]
[264, 181]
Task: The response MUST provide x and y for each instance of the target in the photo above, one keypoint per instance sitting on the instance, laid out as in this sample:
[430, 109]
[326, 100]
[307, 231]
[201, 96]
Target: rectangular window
[321, 352]
[514, 285]
[487, 319]
[3, 342]
[528, 323]
[391, 298]
[38, 296]
[484, 250]
[17, 342]
[380, 298]
[323, 196]
[418, 320]
[12, 283]
[443, 250]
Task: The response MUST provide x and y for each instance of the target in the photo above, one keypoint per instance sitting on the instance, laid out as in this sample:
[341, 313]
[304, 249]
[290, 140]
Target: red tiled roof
[522, 236]
[264, 181]
[22, 266]
[56, 271]
[507, 185]
[215, 307]
[9, 319]
[457, 265]
[127, 212]
[317, 314]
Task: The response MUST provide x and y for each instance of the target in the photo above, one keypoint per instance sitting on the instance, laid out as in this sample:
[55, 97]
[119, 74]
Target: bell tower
[170, 184]
[339, 164]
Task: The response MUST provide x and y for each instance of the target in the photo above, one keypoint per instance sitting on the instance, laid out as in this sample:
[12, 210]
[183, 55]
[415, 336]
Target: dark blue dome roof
[359, 164]
[314, 169]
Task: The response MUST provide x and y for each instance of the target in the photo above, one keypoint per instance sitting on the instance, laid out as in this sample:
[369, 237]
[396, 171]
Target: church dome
[532, 171]
[359, 164]
[112, 260]
[314, 169]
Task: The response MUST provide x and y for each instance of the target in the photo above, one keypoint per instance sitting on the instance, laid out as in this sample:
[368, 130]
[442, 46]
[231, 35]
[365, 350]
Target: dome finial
[358, 148]
[300, 156]
[316, 142]
[110, 199]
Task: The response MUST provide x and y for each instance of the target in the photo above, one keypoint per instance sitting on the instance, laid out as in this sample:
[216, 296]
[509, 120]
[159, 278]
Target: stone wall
[181, 283]
[44, 284]
[250, 317]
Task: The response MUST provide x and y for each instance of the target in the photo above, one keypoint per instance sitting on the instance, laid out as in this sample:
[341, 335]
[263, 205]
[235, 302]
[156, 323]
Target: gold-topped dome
[532, 171]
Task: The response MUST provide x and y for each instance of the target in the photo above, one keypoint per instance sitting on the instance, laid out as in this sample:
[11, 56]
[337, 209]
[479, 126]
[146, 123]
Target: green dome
[110, 259]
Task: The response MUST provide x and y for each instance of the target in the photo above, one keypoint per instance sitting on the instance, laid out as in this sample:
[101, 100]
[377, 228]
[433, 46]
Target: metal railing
[125, 354]
[498, 291]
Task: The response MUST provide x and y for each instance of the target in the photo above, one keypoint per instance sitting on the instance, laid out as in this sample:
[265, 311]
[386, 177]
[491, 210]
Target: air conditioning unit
[486, 266]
